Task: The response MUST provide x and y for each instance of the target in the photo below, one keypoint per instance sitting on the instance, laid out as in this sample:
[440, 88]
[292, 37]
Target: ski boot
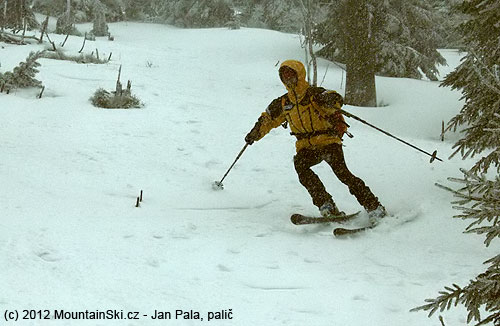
[329, 209]
[376, 215]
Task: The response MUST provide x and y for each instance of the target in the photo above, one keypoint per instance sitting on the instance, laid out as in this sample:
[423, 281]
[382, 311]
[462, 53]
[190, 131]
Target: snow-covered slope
[71, 238]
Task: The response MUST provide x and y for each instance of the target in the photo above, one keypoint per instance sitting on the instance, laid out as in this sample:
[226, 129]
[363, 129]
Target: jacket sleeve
[330, 100]
[271, 118]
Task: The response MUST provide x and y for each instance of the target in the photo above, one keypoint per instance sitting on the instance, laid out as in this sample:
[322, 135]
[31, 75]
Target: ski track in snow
[71, 238]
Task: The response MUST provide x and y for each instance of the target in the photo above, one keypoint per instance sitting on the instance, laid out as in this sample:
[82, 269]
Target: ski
[299, 219]
[341, 232]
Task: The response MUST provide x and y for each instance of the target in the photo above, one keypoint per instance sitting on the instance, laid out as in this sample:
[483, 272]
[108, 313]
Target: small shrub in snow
[119, 99]
[23, 75]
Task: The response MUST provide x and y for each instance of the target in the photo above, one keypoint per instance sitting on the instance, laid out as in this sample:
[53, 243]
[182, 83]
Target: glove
[340, 129]
[338, 123]
[252, 136]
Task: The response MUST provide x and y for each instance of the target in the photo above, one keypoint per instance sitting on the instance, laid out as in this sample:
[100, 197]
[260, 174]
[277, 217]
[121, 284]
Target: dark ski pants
[334, 156]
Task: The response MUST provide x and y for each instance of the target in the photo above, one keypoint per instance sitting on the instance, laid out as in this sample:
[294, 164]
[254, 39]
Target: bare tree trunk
[24, 28]
[307, 14]
[43, 28]
[18, 20]
[360, 81]
[313, 58]
[4, 14]
[118, 89]
[24, 19]
[83, 45]
[68, 7]
[306, 56]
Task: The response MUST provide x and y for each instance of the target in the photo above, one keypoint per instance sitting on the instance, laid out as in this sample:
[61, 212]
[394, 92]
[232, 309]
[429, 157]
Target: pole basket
[433, 156]
[217, 185]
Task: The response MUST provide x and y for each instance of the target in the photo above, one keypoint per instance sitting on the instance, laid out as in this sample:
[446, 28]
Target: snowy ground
[71, 238]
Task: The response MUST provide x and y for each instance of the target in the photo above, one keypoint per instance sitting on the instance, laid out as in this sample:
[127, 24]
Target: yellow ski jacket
[311, 112]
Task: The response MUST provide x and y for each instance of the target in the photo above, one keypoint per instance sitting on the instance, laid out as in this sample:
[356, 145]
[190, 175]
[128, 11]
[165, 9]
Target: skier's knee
[346, 178]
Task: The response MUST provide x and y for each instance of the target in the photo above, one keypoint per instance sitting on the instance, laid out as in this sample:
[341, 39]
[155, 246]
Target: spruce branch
[484, 292]
[495, 318]
[490, 73]
[478, 200]
[443, 302]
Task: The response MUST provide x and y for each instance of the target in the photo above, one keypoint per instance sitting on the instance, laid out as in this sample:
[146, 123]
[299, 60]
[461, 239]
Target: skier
[314, 117]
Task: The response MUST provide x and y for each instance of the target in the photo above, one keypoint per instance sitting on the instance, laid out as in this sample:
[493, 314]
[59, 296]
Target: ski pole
[217, 185]
[433, 155]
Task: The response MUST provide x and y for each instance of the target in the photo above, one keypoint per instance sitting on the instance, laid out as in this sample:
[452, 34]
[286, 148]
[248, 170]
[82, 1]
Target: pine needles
[478, 200]
[23, 75]
[484, 291]
[110, 100]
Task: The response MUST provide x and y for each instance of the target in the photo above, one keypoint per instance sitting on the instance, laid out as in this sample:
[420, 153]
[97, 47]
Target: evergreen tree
[65, 22]
[24, 74]
[16, 14]
[49, 7]
[84, 10]
[478, 77]
[207, 13]
[114, 9]
[401, 33]
[253, 15]
[408, 46]
[159, 10]
[446, 26]
[191, 13]
[235, 22]
[350, 33]
[282, 15]
[100, 27]
[135, 10]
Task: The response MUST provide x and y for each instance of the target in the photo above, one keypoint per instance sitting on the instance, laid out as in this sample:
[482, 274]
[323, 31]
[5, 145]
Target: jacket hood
[296, 94]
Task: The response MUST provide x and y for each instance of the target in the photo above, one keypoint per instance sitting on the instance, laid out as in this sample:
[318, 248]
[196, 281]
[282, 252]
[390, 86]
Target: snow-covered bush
[119, 99]
[23, 75]
[111, 100]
